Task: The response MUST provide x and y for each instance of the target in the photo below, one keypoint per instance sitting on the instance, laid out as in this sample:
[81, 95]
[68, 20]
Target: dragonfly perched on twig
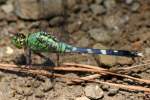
[45, 42]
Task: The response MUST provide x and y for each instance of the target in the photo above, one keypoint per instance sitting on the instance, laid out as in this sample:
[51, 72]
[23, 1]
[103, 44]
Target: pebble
[84, 42]
[27, 91]
[105, 87]
[39, 93]
[97, 9]
[47, 85]
[129, 1]
[109, 4]
[71, 3]
[124, 61]
[9, 50]
[135, 7]
[29, 9]
[84, 8]
[148, 71]
[56, 21]
[113, 91]
[8, 8]
[115, 21]
[93, 91]
[105, 59]
[147, 51]
[73, 27]
[100, 35]
[82, 98]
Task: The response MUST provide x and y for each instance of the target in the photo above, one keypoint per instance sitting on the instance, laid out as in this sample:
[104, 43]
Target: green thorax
[44, 42]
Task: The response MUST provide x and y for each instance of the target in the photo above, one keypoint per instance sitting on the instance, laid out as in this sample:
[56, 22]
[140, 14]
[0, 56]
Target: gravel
[93, 91]
[97, 9]
[113, 91]
[100, 35]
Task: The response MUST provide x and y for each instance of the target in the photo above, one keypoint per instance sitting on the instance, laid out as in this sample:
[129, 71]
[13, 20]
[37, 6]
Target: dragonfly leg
[58, 58]
[48, 60]
[28, 58]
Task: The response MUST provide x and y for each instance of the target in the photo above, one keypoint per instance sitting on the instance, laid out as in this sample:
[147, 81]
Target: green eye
[18, 40]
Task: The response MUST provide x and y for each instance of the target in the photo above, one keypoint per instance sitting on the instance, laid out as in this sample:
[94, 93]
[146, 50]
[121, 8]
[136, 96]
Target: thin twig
[74, 69]
[46, 73]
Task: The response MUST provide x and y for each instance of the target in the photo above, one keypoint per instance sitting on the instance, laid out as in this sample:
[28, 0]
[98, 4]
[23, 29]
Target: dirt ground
[103, 24]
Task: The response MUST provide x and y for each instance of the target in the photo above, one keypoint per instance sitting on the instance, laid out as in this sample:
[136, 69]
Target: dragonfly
[39, 42]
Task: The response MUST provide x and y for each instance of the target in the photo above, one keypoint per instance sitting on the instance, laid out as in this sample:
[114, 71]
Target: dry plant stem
[86, 78]
[128, 68]
[74, 69]
[84, 66]
[105, 71]
[46, 73]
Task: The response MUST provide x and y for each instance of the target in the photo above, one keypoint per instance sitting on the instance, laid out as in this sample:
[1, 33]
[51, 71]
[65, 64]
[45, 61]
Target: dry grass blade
[84, 66]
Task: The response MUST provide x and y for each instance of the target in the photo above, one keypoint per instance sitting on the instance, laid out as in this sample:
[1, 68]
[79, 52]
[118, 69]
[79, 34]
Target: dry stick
[88, 70]
[46, 73]
[104, 72]
[100, 70]
[128, 87]
[86, 78]
[128, 68]
[84, 66]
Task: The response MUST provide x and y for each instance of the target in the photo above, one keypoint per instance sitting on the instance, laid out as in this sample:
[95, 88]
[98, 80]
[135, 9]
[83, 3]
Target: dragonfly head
[18, 40]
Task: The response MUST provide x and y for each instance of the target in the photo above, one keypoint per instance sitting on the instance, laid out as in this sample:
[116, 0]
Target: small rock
[148, 71]
[56, 21]
[109, 4]
[105, 59]
[47, 85]
[32, 9]
[82, 98]
[129, 1]
[93, 91]
[105, 87]
[28, 92]
[84, 8]
[135, 7]
[9, 50]
[39, 93]
[124, 61]
[19, 90]
[73, 27]
[115, 21]
[8, 8]
[113, 91]
[97, 9]
[71, 3]
[100, 35]
[99, 1]
[84, 42]
[147, 51]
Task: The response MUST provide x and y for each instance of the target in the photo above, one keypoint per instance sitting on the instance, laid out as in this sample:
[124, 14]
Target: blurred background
[103, 24]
